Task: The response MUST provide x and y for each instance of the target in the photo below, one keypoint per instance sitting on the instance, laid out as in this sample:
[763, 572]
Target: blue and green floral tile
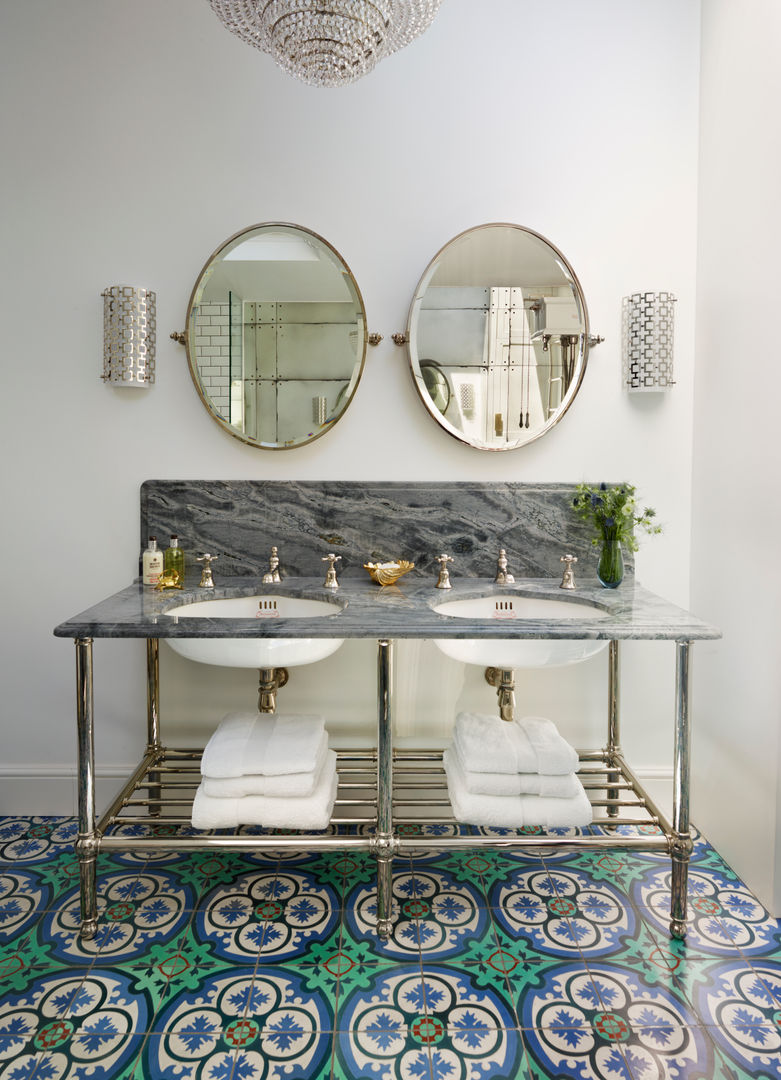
[168, 968]
[100, 1052]
[359, 925]
[61, 874]
[473, 1049]
[302, 937]
[338, 870]
[35, 840]
[721, 917]
[608, 1022]
[280, 915]
[24, 896]
[474, 868]
[601, 922]
[527, 910]
[101, 1013]
[234, 917]
[267, 1014]
[364, 1054]
[375, 1023]
[12, 828]
[747, 1049]
[134, 911]
[214, 1059]
[740, 1005]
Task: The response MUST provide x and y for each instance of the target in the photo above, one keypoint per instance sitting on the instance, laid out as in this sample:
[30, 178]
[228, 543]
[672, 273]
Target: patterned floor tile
[268, 1014]
[524, 965]
[472, 1048]
[607, 1024]
[359, 922]
[279, 913]
[99, 1052]
[363, 1053]
[212, 1056]
[747, 1049]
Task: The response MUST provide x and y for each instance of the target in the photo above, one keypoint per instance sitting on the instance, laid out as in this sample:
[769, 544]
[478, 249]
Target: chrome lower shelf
[161, 790]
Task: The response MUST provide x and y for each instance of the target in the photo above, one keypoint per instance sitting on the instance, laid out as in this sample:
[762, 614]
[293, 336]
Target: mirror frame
[191, 361]
[415, 362]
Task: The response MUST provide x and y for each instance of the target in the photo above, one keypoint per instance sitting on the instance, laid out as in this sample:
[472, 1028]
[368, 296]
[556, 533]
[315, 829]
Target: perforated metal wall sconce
[129, 336]
[647, 320]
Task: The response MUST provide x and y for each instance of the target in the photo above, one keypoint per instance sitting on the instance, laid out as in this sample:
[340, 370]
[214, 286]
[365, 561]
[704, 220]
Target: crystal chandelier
[326, 42]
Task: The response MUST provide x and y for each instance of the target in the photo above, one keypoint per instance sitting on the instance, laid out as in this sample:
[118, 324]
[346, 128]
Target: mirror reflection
[276, 336]
[498, 336]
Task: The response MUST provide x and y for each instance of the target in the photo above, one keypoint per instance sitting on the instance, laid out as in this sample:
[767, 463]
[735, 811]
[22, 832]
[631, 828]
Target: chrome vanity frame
[381, 783]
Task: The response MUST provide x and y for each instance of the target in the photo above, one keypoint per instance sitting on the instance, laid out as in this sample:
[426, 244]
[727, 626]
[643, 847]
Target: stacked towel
[513, 774]
[265, 769]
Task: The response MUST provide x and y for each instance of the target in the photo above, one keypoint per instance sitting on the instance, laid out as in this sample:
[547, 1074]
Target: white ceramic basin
[256, 652]
[519, 652]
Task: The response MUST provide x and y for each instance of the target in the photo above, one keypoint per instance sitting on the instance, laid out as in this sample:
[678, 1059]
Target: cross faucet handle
[568, 578]
[330, 574]
[443, 581]
[503, 576]
[207, 581]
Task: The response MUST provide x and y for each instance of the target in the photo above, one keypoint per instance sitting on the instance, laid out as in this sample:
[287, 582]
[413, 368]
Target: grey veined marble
[372, 522]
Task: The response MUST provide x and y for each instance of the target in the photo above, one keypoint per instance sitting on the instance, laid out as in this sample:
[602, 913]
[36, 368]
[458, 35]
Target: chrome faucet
[503, 577]
[272, 577]
[443, 581]
[568, 578]
[207, 581]
[330, 574]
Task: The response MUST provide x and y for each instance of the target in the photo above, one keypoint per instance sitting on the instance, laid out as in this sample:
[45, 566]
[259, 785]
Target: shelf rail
[160, 792]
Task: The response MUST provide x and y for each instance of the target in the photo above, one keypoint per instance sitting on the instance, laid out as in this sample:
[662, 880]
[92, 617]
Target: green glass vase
[610, 570]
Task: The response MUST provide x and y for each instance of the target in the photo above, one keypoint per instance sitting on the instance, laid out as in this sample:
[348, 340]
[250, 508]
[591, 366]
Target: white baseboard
[52, 789]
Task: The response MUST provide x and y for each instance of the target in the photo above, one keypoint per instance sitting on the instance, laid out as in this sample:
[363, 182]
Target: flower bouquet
[613, 514]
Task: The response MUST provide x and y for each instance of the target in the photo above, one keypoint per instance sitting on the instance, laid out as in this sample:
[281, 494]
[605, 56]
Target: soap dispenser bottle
[151, 563]
[174, 559]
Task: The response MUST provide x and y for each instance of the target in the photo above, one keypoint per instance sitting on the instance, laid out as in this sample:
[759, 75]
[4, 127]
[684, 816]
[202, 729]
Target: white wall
[736, 490]
[577, 120]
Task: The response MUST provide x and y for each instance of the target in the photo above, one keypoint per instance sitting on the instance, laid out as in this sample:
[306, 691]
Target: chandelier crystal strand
[326, 42]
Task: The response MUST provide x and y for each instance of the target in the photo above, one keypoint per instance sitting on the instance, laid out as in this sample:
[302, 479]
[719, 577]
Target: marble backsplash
[371, 522]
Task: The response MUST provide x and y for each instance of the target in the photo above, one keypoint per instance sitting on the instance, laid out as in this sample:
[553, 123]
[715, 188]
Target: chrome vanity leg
[681, 842]
[87, 841]
[613, 725]
[384, 842]
[153, 718]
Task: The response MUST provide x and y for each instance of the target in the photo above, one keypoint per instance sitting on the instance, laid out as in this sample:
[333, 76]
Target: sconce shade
[129, 335]
[647, 331]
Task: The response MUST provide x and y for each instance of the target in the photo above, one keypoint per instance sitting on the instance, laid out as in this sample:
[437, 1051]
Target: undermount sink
[256, 652]
[519, 652]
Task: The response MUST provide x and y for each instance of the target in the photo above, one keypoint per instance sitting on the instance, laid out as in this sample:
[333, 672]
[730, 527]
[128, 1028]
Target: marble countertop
[365, 610]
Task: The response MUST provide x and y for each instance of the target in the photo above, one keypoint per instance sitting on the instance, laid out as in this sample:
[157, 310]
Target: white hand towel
[530, 745]
[262, 743]
[290, 785]
[311, 813]
[512, 811]
[490, 783]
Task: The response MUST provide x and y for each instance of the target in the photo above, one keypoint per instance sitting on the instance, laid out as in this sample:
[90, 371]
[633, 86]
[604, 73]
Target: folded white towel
[564, 786]
[312, 812]
[289, 785]
[512, 811]
[265, 744]
[529, 745]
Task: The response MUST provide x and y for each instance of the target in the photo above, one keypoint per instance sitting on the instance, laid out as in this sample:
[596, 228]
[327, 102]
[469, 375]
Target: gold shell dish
[388, 573]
